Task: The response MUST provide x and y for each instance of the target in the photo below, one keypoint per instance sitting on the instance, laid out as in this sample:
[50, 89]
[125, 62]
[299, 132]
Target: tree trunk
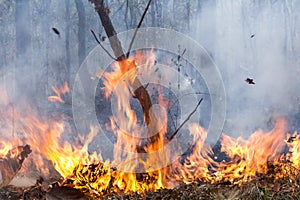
[23, 39]
[2, 44]
[139, 90]
[67, 41]
[159, 11]
[175, 13]
[23, 43]
[81, 30]
[126, 14]
[188, 10]
[133, 20]
[199, 6]
[152, 15]
[46, 33]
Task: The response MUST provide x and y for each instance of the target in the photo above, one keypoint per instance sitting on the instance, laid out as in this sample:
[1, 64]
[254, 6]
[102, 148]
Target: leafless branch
[103, 46]
[137, 28]
[187, 119]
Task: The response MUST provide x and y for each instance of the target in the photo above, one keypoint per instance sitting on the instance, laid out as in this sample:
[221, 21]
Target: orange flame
[64, 89]
[88, 171]
[249, 157]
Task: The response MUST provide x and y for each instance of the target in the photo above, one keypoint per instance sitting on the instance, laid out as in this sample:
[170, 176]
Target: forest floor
[259, 188]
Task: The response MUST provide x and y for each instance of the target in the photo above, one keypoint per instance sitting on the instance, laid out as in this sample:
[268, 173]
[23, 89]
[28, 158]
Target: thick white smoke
[259, 40]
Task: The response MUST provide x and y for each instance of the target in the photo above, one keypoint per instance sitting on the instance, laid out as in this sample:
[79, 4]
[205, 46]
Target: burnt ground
[261, 187]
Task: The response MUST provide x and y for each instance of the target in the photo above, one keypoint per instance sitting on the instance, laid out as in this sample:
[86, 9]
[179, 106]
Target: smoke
[260, 41]
[253, 39]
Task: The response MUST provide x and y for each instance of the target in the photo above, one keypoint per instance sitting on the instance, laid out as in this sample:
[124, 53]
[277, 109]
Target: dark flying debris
[55, 31]
[252, 35]
[250, 81]
[103, 38]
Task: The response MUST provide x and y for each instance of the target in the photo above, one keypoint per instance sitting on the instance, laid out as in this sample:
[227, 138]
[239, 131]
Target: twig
[187, 119]
[103, 46]
[137, 28]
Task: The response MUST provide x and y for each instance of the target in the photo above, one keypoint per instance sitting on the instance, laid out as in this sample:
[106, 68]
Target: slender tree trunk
[67, 41]
[188, 10]
[23, 39]
[23, 44]
[81, 30]
[175, 13]
[2, 44]
[126, 14]
[158, 6]
[164, 11]
[199, 6]
[140, 91]
[46, 33]
[152, 14]
[133, 20]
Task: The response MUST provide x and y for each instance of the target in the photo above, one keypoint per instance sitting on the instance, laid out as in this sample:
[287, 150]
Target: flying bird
[56, 31]
[250, 81]
[252, 35]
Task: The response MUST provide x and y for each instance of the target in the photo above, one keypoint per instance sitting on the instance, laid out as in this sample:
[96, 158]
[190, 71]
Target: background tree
[81, 30]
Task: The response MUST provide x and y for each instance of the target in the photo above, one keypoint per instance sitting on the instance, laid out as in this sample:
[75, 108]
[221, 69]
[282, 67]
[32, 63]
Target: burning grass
[264, 166]
[248, 173]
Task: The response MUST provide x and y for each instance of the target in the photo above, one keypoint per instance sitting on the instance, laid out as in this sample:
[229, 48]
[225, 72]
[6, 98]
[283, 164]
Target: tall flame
[90, 173]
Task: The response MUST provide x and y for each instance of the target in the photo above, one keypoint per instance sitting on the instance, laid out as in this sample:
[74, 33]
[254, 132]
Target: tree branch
[102, 46]
[187, 119]
[139, 91]
[137, 28]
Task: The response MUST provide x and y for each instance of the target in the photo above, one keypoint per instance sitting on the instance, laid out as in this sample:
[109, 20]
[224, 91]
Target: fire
[249, 157]
[4, 148]
[196, 165]
[129, 171]
[64, 89]
[293, 142]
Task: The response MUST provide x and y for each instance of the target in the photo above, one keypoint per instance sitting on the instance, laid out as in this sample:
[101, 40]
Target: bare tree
[81, 30]
[23, 81]
[67, 40]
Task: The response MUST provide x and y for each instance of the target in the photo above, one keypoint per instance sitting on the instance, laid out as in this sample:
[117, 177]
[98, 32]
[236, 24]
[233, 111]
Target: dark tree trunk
[81, 30]
[139, 90]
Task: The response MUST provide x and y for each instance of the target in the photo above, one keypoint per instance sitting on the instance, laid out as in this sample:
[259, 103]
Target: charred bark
[12, 163]
[139, 90]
